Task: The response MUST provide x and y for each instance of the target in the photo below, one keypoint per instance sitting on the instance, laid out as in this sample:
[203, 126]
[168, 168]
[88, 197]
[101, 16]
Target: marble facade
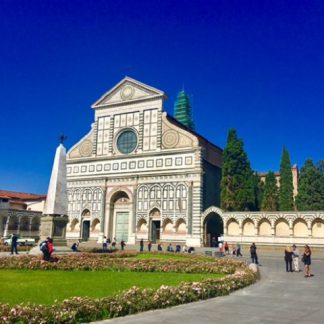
[139, 173]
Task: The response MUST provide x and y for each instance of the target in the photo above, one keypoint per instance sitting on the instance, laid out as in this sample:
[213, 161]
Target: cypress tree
[310, 188]
[270, 193]
[258, 190]
[237, 185]
[286, 197]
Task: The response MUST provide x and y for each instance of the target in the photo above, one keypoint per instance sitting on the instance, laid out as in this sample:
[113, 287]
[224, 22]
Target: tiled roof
[20, 195]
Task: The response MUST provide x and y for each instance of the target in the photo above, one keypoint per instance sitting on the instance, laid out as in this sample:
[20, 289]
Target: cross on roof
[62, 138]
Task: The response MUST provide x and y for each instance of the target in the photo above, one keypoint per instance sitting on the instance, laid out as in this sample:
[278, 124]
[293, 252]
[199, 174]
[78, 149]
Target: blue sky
[257, 66]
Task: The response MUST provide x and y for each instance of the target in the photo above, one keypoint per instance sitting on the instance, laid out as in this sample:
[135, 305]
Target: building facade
[141, 174]
[20, 213]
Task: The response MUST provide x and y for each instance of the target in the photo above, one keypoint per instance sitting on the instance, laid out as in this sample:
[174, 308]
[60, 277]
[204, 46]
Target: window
[127, 141]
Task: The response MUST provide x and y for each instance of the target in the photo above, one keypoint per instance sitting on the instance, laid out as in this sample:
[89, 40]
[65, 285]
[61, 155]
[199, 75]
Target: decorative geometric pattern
[127, 92]
[170, 139]
[86, 148]
[103, 135]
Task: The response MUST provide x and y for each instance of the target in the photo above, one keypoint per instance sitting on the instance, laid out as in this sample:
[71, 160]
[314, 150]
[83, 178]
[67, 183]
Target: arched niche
[75, 225]
[318, 228]
[95, 226]
[233, 227]
[248, 227]
[282, 227]
[181, 227]
[264, 227]
[142, 226]
[300, 228]
[167, 226]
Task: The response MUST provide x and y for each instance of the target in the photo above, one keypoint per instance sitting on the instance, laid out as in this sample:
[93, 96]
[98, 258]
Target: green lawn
[44, 287]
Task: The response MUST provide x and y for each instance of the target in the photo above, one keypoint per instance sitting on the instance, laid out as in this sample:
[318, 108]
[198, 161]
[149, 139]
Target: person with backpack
[47, 248]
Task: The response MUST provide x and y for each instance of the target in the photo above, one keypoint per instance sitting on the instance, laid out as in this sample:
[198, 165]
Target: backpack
[43, 246]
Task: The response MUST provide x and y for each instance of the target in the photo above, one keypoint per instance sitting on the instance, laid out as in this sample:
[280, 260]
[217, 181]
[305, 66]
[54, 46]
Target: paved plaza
[279, 297]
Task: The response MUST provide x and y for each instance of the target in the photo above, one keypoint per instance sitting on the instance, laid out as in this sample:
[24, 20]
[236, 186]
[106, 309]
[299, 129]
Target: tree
[270, 193]
[286, 197]
[311, 187]
[237, 185]
[258, 190]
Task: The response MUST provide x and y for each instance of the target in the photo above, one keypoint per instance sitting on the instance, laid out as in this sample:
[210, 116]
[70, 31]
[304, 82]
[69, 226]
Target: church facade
[141, 174]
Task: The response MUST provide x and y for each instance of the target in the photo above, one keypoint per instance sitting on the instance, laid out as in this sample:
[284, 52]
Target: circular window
[127, 141]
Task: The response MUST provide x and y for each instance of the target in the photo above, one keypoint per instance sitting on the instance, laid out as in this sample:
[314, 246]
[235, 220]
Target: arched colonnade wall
[272, 227]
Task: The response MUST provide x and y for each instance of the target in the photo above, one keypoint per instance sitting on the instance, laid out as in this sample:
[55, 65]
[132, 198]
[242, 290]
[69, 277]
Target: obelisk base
[54, 226]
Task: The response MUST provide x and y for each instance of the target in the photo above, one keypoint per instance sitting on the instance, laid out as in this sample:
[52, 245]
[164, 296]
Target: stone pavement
[279, 297]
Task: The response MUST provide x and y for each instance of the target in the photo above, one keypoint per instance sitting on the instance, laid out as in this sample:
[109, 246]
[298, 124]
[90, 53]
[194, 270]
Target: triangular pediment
[127, 90]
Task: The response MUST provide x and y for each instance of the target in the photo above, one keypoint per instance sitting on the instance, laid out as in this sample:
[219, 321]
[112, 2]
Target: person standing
[288, 259]
[295, 257]
[113, 243]
[14, 239]
[104, 244]
[254, 256]
[226, 248]
[122, 245]
[141, 245]
[307, 261]
[149, 246]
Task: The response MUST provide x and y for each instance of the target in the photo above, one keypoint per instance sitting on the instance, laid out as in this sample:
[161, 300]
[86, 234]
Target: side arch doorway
[155, 225]
[85, 218]
[213, 229]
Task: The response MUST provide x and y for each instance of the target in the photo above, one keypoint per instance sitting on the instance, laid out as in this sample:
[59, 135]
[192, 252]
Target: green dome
[182, 110]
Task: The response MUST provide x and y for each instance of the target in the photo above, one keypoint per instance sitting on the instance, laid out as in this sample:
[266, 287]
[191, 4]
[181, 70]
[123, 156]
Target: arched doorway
[155, 225]
[85, 216]
[119, 220]
[213, 228]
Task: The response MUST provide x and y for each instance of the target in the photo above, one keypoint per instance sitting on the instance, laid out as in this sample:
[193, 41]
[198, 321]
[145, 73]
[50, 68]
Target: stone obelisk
[54, 219]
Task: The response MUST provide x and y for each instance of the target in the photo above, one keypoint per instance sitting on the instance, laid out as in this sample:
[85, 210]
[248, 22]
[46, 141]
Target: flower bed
[77, 309]
[88, 261]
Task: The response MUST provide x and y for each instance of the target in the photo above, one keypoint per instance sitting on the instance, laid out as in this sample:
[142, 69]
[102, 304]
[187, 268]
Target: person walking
[307, 261]
[141, 245]
[295, 257]
[288, 259]
[14, 239]
[238, 250]
[254, 256]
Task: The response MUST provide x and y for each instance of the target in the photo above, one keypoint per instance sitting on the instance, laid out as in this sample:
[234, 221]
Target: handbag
[303, 258]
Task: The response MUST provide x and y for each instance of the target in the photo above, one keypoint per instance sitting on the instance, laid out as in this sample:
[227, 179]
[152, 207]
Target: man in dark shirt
[14, 239]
